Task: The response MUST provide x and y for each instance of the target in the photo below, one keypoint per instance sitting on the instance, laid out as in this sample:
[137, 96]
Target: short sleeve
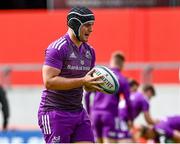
[54, 57]
[145, 105]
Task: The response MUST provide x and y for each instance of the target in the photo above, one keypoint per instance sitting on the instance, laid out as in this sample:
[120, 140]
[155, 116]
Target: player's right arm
[53, 81]
[147, 116]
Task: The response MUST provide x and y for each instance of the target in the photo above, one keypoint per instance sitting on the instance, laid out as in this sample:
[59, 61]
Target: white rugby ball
[111, 84]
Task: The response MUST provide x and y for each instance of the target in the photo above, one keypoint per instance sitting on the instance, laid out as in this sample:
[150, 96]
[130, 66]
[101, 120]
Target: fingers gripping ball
[111, 84]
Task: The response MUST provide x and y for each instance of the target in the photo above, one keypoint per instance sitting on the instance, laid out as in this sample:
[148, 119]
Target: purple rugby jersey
[139, 104]
[73, 62]
[109, 102]
[167, 125]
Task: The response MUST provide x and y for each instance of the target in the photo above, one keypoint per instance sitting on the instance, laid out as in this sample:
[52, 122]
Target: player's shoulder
[143, 98]
[139, 95]
[89, 50]
[123, 80]
[59, 44]
[88, 46]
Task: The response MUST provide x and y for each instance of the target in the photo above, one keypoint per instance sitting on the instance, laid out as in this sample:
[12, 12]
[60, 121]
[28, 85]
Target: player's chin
[85, 39]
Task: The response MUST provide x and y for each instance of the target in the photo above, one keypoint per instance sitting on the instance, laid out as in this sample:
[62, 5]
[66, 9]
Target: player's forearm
[151, 121]
[148, 118]
[61, 83]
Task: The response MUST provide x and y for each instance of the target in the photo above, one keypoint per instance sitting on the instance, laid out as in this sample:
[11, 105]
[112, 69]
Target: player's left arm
[93, 59]
[88, 89]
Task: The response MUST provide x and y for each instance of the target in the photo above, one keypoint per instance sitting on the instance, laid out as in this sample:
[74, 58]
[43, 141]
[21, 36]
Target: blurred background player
[166, 131]
[104, 111]
[4, 107]
[134, 85]
[4, 85]
[61, 115]
[140, 104]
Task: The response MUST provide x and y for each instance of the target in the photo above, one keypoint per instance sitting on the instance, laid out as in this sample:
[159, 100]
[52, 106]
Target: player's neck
[73, 38]
[146, 96]
[112, 65]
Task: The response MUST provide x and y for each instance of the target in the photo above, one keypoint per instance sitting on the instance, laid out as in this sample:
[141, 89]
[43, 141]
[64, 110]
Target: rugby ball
[111, 84]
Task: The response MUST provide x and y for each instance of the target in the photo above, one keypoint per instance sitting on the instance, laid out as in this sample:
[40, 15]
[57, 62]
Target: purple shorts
[65, 127]
[104, 124]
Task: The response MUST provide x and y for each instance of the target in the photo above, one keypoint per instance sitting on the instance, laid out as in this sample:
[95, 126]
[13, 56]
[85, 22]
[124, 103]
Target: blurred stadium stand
[55, 4]
[23, 4]
[110, 3]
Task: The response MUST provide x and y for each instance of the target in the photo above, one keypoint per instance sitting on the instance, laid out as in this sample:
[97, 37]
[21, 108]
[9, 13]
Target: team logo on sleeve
[88, 55]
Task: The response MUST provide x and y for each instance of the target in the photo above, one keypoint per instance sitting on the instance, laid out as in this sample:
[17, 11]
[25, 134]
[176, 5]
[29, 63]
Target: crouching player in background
[166, 131]
[139, 103]
[104, 110]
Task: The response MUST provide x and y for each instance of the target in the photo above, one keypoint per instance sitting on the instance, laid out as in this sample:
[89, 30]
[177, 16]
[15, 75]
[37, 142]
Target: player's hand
[92, 83]
[157, 121]
[130, 124]
[93, 88]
